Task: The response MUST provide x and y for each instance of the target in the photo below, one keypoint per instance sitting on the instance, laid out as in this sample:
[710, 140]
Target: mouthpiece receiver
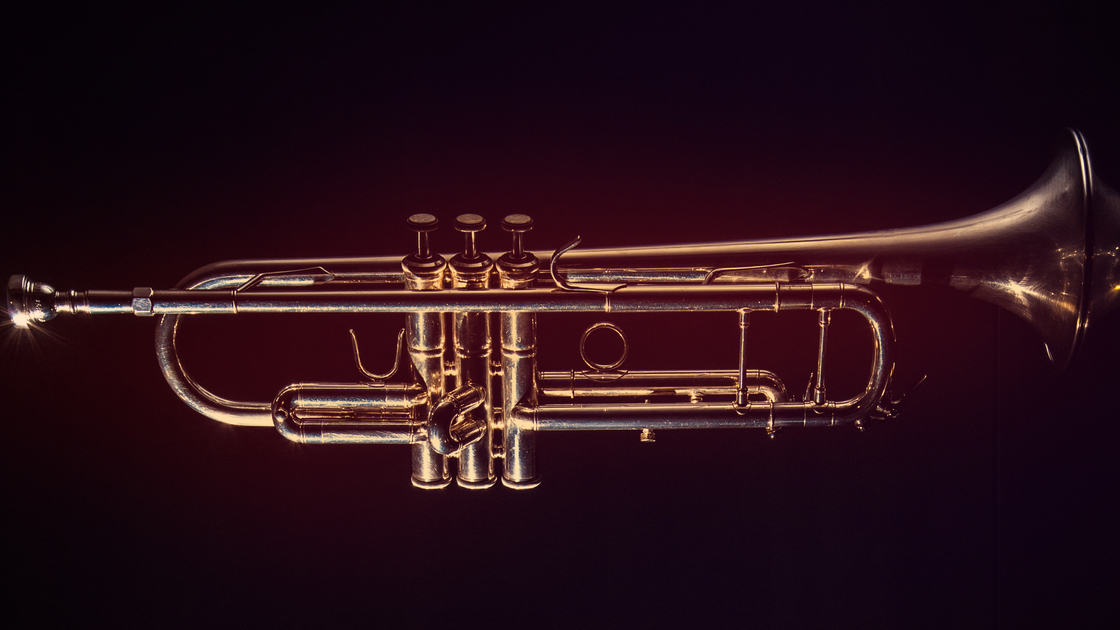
[30, 301]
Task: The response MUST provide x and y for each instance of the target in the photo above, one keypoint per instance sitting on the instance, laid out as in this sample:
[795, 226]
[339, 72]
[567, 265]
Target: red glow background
[141, 145]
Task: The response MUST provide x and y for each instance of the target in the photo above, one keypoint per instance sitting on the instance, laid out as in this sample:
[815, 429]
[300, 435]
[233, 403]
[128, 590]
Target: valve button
[423, 223]
[517, 223]
[470, 223]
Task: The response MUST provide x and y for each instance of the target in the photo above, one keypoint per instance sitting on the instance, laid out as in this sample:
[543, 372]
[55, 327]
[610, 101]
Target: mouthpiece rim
[29, 301]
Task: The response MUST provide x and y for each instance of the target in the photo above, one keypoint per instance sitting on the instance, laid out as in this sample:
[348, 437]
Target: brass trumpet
[466, 386]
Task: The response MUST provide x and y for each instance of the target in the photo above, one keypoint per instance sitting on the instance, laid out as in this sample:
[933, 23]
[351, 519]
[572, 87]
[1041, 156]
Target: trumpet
[466, 388]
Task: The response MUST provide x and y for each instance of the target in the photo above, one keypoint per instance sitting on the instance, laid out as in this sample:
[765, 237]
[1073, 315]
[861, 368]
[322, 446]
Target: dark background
[138, 145]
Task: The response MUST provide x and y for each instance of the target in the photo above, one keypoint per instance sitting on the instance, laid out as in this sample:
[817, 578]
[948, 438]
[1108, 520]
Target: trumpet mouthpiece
[30, 301]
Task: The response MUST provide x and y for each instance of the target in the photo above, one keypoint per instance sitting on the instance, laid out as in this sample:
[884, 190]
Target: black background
[141, 144]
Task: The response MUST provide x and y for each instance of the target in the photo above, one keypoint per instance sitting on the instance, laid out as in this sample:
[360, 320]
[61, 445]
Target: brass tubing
[744, 323]
[472, 354]
[638, 299]
[519, 350]
[818, 390]
[248, 414]
[642, 384]
[425, 341]
[359, 413]
[470, 277]
[622, 416]
[630, 299]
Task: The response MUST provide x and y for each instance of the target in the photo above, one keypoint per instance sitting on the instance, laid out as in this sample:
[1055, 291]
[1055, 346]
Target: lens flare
[21, 320]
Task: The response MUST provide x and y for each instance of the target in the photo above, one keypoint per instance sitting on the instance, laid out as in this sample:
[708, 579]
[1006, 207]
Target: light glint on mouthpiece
[29, 301]
[20, 320]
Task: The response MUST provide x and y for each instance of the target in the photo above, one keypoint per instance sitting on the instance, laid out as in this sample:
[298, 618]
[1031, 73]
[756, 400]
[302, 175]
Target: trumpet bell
[1050, 255]
[1061, 238]
[1103, 241]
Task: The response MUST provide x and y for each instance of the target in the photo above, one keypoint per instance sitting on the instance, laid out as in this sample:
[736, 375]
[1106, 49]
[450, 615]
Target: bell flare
[1104, 260]
[1050, 255]
[1099, 291]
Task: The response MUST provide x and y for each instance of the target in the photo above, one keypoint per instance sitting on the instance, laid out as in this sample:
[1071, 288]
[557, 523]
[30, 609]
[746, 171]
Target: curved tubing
[245, 414]
[445, 431]
[778, 297]
[238, 413]
[349, 413]
[629, 416]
